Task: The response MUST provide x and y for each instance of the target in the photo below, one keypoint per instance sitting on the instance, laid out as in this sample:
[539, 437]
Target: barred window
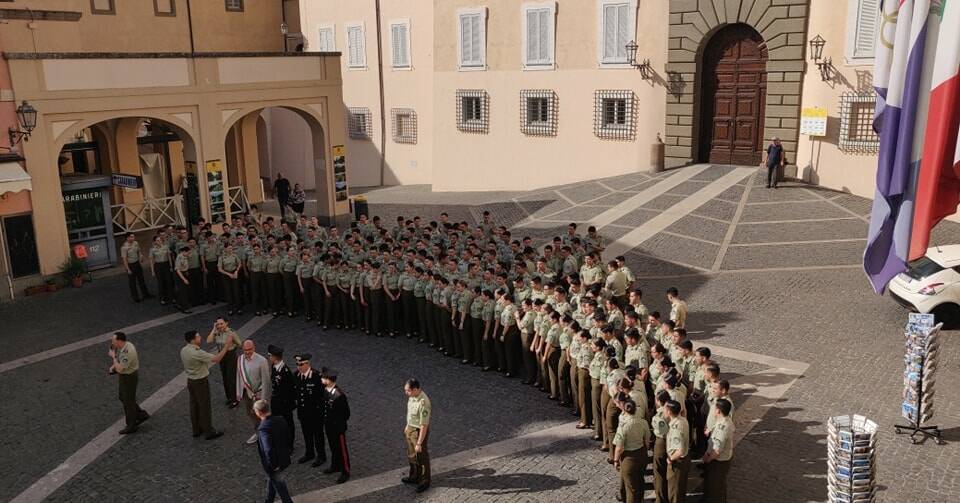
[856, 123]
[614, 114]
[473, 110]
[404, 125]
[359, 122]
[538, 112]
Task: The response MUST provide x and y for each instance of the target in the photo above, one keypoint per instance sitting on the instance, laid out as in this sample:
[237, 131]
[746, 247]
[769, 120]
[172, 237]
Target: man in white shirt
[253, 382]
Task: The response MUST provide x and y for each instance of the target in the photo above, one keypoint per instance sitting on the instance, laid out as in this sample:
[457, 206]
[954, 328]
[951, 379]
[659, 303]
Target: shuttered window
[616, 30]
[472, 31]
[862, 28]
[327, 39]
[400, 44]
[356, 53]
[538, 34]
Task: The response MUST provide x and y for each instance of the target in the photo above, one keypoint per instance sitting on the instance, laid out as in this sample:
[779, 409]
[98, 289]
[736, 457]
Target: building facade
[530, 94]
[140, 102]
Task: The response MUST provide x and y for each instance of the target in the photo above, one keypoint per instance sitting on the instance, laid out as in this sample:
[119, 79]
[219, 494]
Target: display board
[851, 459]
[813, 121]
[340, 173]
[216, 191]
[921, 351]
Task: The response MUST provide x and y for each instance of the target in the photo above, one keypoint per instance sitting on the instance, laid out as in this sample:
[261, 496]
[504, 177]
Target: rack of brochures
[851, 459]
[920, 360]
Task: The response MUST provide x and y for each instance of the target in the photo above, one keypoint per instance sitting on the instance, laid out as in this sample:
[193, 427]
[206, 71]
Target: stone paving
[771, 272]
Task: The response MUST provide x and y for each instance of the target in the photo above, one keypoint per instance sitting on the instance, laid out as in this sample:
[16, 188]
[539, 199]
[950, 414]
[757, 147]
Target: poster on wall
[216, 191]
[340, 172]
[813, 121]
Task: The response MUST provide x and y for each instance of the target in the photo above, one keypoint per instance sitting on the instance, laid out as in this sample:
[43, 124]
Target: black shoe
[330, 470]
[319, 462]
[305, 458]
[486, 369]
[465, 362]
[422, 487]
[290, 315]
[277, 315]
[128, 430]
[409, 480]
[214, 435]
[343, 478]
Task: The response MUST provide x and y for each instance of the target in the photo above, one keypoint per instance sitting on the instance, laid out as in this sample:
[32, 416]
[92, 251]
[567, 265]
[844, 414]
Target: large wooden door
[734, 97]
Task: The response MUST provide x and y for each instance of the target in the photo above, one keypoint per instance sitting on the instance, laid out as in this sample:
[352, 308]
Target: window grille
[614, 114]
[473, 111]
[856, 123]
[359, 122]
[538, 112]
[404, 122]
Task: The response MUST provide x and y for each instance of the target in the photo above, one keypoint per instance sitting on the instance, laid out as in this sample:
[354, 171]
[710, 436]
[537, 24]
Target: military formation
[556, 315]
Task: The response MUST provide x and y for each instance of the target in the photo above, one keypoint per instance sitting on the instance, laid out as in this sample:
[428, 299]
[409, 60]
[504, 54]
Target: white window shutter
[475, 48]
[404, 45]
[395, 44]
[609, 32]
[533, 36]
[868, 17]
[623, 32]
[545, 23]
[353, 56]
[465, 38]
[326, 39]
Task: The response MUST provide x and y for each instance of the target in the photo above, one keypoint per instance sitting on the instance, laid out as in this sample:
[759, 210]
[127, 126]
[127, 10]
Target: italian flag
[938, 181]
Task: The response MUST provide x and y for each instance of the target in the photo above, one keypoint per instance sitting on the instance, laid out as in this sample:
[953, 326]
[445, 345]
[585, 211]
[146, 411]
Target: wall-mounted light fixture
[27, 118]
[646, 70]
[816, 54]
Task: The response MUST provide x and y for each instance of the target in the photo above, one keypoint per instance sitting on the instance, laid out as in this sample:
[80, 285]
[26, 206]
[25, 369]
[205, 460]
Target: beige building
[142, 105]
[513, 94]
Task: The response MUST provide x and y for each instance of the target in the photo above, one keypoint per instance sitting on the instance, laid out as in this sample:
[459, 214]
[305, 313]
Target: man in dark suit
[273, 445]
[284, 397]
[335, 423]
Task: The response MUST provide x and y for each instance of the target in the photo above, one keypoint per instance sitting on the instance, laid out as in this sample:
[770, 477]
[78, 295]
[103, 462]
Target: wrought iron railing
[148, 214]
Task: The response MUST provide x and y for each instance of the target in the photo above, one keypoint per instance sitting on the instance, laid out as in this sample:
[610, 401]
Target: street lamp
[644, 67]
[816, 53]
[27, 118]
[816, 47]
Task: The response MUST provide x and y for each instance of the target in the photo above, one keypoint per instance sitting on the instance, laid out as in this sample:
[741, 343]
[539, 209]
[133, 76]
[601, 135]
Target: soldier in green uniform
[376, 301]
[408, 283]
[584, 385]
[611, 413]
[510, 335]
[391, 290]
[288, 269]
[631, 442]
[196, 365]
[358, 295]
[417, 432]
[160, 259]
[598, 363]
[274, 281]
[420, 302]
[130, 256]
[551, 357]
[330, 293]
[229, 266]
[195, 272]
[487, 316]
[445, 316]
[564, 383]
[659, 425]
[475, 326]
[182, 271]
[716, 461]
[455, 331]
[616, 285]
[304, 280]
[318, 295]
[678, 462]
[210, 251]
[256, 264]
[464, 304]
[345, 279]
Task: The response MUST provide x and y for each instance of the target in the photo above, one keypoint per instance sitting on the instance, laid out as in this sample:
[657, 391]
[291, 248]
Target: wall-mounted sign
[216, 191]
[813, 121]
[340, 172]
[126, 181]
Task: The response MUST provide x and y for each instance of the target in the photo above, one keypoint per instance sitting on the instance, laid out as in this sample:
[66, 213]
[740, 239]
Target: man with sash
[253, 382]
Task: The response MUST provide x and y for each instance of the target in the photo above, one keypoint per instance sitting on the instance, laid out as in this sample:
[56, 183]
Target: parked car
[931, 284]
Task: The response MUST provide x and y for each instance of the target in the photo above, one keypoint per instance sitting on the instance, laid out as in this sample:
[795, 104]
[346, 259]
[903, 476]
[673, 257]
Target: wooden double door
[734, 97]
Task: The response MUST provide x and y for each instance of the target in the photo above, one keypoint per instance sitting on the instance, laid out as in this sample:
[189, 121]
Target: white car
[931, 284]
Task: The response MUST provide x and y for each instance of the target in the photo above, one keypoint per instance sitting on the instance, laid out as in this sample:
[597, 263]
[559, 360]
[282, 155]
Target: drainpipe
[383, 125]
[190, 28]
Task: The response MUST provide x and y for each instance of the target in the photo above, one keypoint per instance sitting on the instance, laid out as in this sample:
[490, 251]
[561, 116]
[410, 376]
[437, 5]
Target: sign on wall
[340, 172]
[813, 121]
[216, 191]
[126, 181]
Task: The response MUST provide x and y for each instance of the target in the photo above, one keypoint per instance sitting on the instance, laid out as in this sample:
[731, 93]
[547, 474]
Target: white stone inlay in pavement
[645, 196]
[49, 483]
[97, 339]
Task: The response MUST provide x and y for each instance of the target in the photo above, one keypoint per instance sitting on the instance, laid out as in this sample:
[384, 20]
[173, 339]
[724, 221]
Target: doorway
[733, 101]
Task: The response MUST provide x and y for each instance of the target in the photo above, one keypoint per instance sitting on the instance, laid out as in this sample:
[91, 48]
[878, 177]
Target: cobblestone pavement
[771, 272]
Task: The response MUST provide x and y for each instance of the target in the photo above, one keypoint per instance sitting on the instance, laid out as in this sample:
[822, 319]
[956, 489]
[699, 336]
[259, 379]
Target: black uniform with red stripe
[336, 414]
[311, 403]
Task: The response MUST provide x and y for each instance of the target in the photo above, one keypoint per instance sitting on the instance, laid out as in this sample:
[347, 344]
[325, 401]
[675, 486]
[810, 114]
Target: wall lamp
[27, 117]
[646, 70]
[816, 53]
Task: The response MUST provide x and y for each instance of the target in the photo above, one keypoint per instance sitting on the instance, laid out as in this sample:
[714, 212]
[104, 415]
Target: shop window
[404, 125]
[856, 123]
[473, 111]
[614, 114]
[359, 122]
[103, 7]
[538, 112]
[21, 245]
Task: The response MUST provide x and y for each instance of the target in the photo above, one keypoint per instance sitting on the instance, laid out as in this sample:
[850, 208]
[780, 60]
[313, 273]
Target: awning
[13, 178]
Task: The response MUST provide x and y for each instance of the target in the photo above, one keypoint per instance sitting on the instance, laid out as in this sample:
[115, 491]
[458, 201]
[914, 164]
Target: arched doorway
[733, 97]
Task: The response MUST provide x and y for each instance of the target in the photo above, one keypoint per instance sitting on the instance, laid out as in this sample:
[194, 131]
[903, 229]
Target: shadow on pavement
[490, 483]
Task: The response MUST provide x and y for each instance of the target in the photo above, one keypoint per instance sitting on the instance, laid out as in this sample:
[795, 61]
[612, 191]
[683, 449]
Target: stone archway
[692, 24]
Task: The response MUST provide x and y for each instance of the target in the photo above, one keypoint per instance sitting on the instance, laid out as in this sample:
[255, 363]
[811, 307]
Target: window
[21, 245]
[166, 8]
[327, 39]
[103, 7]
[538, 112]
[400, 43]
[616, 30]
[614, 114]
[538, 35]
[404, 125]
[356, 52]
[856, 123]
[359, 123]
[234, 5]
[863, 23]
[473, 111]
[471, 26]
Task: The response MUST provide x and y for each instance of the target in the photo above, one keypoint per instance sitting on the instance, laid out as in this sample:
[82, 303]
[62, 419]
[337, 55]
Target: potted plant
[73, 270]
[51, 285]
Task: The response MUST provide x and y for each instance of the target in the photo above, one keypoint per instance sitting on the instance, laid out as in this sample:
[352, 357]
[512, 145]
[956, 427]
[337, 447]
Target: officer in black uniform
[310, 407]
[336, 415]
[284, 397]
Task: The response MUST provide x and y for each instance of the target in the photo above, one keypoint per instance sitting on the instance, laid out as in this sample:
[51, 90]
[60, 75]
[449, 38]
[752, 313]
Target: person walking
[281, 189]
[336, 415]
[417, 432]
[125, 363]
[775, 158]
[273, 446]
[253, 382]
[131, 257]
[221, 334]
[310, 408]
[196, 364]
[284, 397]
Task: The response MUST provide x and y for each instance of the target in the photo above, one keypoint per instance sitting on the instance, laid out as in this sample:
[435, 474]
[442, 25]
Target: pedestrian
[274, 447]
[283, 400]
[775, 158]
[281, 189]
[221, 334]
[716, 461]
[678, 463]
[336, 415]
[126, 364]
[196, 364]
[311, 404]
[417, 431]
[130, 256]
[631, 442]
[253, 382]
